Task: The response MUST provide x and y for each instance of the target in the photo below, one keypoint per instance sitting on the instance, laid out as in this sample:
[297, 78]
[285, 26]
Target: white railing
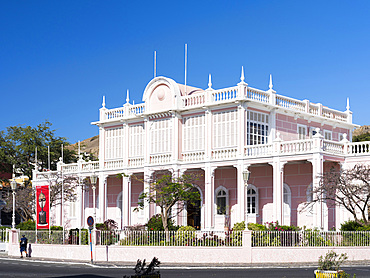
[70, 168]
[114, 164]
[258, 150]
[225, 94]
[333, 147]
[290, 103]
[160, 158]
[193, 156]
[56, 237]
[258, 95]
[4, 235]
[115, 113]
[137, 109]
[135, 161]
[333, 114]
[359, 148]
[193, 100]
[227, 153]
[90, 166]
[177, 238]
[298, 146]
[313, 109]
[309, 238]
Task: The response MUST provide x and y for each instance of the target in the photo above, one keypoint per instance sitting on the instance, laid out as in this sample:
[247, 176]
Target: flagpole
[155, 64]
[62, 212]
[186, 62]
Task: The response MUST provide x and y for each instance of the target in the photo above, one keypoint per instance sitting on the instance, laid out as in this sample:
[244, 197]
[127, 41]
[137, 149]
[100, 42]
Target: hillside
[89, 145]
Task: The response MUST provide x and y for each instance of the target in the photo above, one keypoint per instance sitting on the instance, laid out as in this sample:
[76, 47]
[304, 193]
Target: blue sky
[58, 58]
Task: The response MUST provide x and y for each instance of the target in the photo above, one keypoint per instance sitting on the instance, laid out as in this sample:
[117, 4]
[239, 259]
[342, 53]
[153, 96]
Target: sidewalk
[182, 266]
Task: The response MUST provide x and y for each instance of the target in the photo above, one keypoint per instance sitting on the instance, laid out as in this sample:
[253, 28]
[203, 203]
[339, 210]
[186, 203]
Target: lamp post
[93, 180]
[13, 185]
[246, 176]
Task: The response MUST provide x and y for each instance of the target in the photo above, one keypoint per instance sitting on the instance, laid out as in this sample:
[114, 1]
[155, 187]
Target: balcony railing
[229, 95]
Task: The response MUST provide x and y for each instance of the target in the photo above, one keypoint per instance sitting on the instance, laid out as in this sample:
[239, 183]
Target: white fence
[309, 238]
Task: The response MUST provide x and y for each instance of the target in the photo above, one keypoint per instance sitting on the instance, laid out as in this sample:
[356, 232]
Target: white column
[147, 177]
[319, 209]
[125, 144]
[102, 197]
[241, 129]
[101, 147]
[126, 201]
[209, 180]
[146, 139]
[208, 135]
[80, 207]
[241, 189]
[175, 136]
[278, 192]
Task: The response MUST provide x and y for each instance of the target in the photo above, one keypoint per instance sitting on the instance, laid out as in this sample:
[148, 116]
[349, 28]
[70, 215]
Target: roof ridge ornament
[128, 96]
[270, 84]
[209, 82]
[103, 103]
[242, 75]
[347, 104]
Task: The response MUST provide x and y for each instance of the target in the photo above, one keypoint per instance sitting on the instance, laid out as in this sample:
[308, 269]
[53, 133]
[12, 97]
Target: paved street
[10, 267]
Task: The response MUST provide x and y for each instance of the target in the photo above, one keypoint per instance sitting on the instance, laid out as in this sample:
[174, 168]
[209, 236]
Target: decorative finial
[128, 97]
[209, 81]
[270, 85]
[103, 104]
[242, 75]
[347, 104]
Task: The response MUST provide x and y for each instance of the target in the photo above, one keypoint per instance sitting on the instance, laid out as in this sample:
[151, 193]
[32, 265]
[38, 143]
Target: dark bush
[155, 224]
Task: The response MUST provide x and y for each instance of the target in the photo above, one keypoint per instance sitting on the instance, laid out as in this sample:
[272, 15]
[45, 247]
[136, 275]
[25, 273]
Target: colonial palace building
[284, 144]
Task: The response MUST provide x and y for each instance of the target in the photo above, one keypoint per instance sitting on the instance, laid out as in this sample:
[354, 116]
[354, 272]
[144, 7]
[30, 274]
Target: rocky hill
[90, 146]
[361, 130]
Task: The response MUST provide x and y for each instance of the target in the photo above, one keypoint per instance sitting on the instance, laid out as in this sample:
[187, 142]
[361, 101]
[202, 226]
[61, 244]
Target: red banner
[42, 205]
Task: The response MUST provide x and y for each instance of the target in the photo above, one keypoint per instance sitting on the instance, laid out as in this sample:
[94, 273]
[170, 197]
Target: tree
[18, 144]
[361, 137]
[165, 191]
[349, 188]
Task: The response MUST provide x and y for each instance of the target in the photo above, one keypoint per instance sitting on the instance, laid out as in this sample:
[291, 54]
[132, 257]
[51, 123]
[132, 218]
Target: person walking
[23, 245]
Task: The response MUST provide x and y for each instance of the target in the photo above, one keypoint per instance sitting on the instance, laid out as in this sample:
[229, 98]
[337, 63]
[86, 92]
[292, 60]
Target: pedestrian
[23, 245]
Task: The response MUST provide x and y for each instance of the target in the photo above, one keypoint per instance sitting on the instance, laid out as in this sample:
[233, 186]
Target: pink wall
[261, 177]
[113, 189]
[287, 126]
[136, 188]
[298, 177]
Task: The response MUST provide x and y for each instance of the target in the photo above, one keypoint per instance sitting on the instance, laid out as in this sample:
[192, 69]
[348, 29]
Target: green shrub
[56, 228]
[350, 225]
[155, 224]
[332, 261]
[185, 235]
[256, 227]
[27, 225]
[240, 226]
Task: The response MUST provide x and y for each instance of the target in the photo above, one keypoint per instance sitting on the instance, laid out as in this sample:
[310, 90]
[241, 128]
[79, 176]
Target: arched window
[222, 201]
[252, 199]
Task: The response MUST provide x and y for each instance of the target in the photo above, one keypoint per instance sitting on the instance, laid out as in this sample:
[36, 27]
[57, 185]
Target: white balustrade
[70, 168]
[290, 103]
[359, 148]
[225, 94]
[298, 146]
[137, 109]
[113, 164]
[333, 114]
[258, 95]
[313, 109]
[160, 158]
[333, 147]
[135, 161]
[115, 113]
[224, 153]
[193, 156]
[193, 100]
[258, 150]
[90, 166]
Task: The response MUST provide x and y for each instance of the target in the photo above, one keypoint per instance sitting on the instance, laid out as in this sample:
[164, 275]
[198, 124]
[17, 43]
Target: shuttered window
[113, 143]
[225, 129]
[193, 133]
